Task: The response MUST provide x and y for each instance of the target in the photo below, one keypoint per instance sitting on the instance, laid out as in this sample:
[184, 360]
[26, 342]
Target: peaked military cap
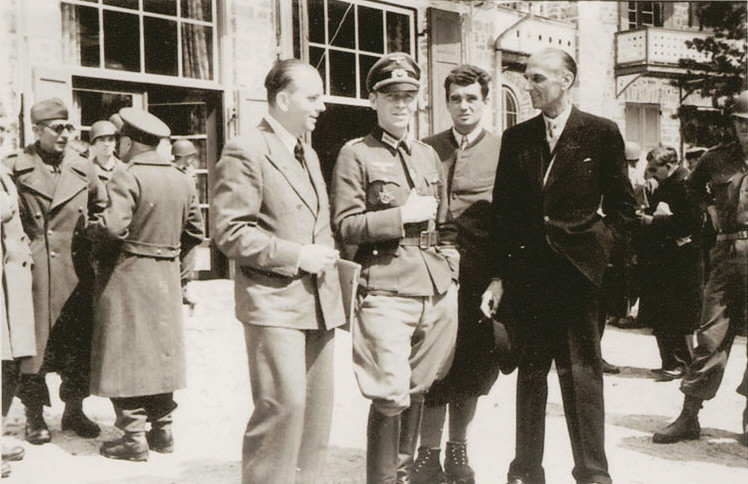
[48, 109]
[396, 71]
[142, 126]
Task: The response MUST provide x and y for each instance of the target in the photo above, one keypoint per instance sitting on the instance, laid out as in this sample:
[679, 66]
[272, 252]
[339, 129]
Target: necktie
[463, 142]
[552, 135]
[298, 152]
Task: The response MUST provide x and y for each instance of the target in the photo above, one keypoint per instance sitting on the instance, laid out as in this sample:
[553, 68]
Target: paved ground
[215, 407]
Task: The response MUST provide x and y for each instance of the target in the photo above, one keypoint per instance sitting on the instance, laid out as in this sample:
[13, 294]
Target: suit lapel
[73, 179]
[567, 147]
[290, 168]
[536, 146]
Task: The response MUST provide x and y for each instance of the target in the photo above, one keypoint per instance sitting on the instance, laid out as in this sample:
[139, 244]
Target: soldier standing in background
[138, 358]
[59, 191]
[185, 158]
[387, 188]
[469, 156]
[720, 184]
[103, 138]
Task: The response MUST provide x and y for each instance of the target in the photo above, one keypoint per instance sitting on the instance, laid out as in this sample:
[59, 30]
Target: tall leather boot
[133, 444]
[410, 428]
[74, 419]
[685, 427]
[37, 432]
[160, 438]
[382, 435]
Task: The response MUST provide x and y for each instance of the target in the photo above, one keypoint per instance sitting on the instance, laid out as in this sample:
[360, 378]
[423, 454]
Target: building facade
[200, 64]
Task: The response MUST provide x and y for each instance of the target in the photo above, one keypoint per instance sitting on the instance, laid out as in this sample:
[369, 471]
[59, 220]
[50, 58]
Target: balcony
[655, 51]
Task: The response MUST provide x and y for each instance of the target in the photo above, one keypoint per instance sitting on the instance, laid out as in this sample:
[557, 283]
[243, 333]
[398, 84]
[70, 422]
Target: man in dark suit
[555, 172]
[273, 219]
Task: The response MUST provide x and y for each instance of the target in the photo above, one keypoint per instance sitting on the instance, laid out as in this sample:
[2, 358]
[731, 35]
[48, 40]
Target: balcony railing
[655, 50]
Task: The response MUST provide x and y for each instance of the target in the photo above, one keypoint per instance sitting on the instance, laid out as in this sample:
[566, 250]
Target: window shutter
[250, 109]
[445, 52]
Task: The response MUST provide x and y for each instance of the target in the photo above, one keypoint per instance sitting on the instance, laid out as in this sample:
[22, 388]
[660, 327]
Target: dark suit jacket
[266, 207]
[589, 172]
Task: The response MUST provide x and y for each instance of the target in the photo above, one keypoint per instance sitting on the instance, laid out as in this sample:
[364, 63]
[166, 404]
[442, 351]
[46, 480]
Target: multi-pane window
[346, 38]
[166, 37]
[645, 13]
[511, 107]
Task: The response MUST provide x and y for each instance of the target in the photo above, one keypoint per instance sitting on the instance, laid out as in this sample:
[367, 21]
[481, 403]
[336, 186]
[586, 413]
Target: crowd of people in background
[479, 253]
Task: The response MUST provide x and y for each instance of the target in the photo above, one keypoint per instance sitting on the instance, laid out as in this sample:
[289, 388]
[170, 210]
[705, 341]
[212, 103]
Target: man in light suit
[272, 218]
[555, 171]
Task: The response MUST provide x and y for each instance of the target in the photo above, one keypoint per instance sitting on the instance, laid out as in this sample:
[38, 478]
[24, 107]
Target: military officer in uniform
[103, 138]
[185, 157]
[389, 199]
[469, 156]
[59, 191]
[720, 183]
[138, 358]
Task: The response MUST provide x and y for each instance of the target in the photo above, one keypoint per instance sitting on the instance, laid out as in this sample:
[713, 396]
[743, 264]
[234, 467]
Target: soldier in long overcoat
[58, 191]
[138, 357]
[16, 305]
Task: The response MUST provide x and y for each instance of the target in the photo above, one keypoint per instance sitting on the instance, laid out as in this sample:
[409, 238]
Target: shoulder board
[354, 141]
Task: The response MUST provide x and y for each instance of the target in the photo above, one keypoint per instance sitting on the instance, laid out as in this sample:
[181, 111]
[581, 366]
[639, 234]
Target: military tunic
[721, 181]
[403, 336]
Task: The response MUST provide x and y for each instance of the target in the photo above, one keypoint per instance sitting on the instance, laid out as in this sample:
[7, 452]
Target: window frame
[360, 99]
[141, 13]
[508, 93]
[639, 11]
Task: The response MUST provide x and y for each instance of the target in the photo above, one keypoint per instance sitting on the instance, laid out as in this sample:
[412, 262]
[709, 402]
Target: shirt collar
[110, 164]
[288, 140]
[560, 120]
[389, 140]
[471, 136]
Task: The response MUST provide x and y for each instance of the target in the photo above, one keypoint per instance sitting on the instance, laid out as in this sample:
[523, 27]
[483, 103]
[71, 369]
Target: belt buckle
[426, 239]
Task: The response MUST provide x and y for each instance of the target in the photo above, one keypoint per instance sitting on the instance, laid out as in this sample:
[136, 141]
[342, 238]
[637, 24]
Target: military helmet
[101, 128]
[183, 147]
[633, 151]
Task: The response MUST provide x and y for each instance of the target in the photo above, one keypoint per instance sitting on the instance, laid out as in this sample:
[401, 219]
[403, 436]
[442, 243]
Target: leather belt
[427, 238]
[742, 235]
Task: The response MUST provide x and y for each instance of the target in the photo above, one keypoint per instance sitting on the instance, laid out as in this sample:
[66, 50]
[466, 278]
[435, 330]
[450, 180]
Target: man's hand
[491, 298]
[314, 258]
[418, 208]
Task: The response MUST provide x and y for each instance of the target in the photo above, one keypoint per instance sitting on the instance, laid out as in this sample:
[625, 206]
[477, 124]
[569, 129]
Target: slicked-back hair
[466, 74]
[279, 76]
[567, 61]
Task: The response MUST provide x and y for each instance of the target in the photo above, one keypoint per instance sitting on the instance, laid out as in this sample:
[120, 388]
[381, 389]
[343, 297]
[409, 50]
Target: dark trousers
[723, 314]
[68, 352]
[10, 380]
[133, 412]
[559, 322]
[675, 349]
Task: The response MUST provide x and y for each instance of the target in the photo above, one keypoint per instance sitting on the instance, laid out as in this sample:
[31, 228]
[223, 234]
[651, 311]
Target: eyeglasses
[59, 128]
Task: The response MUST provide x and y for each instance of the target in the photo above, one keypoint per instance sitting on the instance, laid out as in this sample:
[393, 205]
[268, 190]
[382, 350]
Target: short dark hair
[662, 155]
[279, 76]
[466, 74]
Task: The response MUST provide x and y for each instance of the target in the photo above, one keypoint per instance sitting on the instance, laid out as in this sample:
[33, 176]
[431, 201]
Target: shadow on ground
[716, 446]
[194, 472]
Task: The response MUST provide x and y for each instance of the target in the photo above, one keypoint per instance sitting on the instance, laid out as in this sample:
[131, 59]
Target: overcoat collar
[292, 170]
[567, 146]
[73, 175]
[149, 158]
[73, 178]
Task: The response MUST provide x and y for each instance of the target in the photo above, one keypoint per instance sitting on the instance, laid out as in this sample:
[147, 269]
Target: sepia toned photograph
[374, 241]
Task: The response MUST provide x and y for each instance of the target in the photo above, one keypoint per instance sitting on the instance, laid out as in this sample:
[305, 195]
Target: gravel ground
[214, 409]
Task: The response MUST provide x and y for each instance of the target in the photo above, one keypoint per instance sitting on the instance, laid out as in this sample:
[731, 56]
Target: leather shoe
[13, 453]
[37, 432]
[125, 449]
[74, 419]
[663, 375]
[610, 369]
[160, 440]
[685, 427]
